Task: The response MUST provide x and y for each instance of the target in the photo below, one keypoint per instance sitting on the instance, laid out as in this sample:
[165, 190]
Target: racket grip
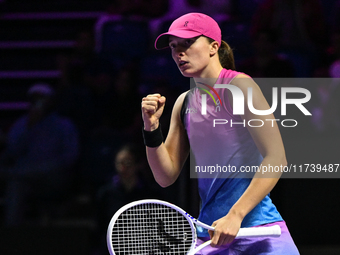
[273, 231]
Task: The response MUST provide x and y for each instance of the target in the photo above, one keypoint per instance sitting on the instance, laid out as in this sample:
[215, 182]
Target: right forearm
[163, 168]
[166, 159]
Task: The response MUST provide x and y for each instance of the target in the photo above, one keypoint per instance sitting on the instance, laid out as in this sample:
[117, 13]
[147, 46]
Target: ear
[213, 48]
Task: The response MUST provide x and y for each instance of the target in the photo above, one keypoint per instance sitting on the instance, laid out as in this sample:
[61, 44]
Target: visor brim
[162, 41]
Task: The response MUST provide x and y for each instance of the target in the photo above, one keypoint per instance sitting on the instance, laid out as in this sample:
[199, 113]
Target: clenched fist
[152, 109]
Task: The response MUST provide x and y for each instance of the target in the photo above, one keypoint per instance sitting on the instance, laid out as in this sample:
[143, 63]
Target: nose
[179, 51]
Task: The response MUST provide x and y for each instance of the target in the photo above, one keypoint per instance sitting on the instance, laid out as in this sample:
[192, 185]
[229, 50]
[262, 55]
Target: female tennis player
[226, 203]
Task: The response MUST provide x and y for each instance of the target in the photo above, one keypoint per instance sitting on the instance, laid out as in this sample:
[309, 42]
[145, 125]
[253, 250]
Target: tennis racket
[157, 227]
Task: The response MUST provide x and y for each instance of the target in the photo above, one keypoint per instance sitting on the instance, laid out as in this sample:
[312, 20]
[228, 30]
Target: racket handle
[273, 231]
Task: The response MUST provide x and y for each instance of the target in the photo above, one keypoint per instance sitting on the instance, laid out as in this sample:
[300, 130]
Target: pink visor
[188, 26]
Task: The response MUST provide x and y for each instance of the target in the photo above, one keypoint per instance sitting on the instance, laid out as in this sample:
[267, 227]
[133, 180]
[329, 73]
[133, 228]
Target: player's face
[192, 55]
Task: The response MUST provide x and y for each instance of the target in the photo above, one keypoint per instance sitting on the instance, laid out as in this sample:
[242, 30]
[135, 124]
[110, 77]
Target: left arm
[268, 140]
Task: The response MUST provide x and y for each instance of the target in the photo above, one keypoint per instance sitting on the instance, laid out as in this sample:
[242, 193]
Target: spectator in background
[127, 185]
[37, 162]
[115, 108]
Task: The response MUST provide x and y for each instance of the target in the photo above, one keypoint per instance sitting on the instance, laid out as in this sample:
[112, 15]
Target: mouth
[182, 63]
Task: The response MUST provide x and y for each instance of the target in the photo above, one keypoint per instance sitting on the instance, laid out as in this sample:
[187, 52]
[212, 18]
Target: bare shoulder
[179, 102]
[181, 97]
[244, 81]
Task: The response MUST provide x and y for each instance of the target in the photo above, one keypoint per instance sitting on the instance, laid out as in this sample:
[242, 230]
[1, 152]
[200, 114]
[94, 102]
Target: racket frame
[191, 220]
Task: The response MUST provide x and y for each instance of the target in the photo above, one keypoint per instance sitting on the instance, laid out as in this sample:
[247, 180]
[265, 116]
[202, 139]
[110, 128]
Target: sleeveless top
[222, 145]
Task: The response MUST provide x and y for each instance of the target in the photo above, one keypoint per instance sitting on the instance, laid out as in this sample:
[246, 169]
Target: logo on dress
[218, 102]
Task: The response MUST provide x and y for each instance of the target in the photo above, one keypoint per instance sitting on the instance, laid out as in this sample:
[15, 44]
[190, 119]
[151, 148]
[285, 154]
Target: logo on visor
[186, 23]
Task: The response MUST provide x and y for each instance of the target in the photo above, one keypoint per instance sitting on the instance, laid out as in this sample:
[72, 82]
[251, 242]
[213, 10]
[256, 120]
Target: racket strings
[151, 229]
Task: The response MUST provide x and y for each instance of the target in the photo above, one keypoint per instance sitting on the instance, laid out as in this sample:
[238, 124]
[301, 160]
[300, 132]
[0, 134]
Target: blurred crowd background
[72, 76]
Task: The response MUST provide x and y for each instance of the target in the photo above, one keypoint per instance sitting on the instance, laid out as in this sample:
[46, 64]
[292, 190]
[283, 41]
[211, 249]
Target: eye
[172, 46]
[188, 42]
